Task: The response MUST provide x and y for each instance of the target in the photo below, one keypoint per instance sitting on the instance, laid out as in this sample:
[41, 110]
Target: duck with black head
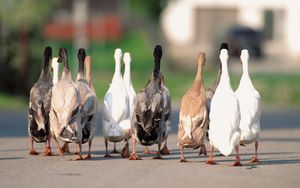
[148, 126]
[39, 107]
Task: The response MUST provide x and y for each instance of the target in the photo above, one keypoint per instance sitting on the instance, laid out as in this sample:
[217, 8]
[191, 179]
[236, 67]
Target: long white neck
[127, 73]
[224, 62]
[117, 56]
[245, 59]
[55, 67]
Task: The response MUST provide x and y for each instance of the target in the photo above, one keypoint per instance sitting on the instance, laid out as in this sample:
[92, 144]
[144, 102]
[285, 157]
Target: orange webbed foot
[33, 152]
[134, 156]
[211, 162]
[237, 163]
[77, 158]
[47, 151]
[88, 157]
[255, 160]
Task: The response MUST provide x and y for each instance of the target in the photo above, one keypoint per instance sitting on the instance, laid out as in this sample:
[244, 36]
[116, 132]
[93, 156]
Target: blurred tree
[21, 23]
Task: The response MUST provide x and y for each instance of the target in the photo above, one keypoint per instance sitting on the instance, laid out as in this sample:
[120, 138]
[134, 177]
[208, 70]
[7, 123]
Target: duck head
[201, 58]
[63, 58]
[81, 56]
[47, 57]
[244, 56]
[224, 52]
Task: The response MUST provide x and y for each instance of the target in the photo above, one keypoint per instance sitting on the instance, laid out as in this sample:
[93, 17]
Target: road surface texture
[279, 152]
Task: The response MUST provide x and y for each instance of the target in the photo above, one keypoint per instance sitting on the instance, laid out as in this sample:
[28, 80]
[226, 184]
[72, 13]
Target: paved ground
[279, 153]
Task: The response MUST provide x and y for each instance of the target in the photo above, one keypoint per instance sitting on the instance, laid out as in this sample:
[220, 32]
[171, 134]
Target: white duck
[250, 106]
[39, 107]
[128, 86]
[64, 113]
[116, 120]
[224, 115]
[88, 104]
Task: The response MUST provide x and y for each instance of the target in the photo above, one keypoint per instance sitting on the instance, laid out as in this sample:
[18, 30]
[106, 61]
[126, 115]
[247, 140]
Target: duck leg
[115, 149]
[32, 150]
[147, 151]
[211, 160]
[237, 158]
[165, 150]
[255, 158]
[182, 159]
[79, 156]
[125, 151]
[66, 148]
[76, 150]
[203, 150]
[47, 150]
[158, 156]
[89, 152]
[61, 152]
[133, 155]
[106, 150]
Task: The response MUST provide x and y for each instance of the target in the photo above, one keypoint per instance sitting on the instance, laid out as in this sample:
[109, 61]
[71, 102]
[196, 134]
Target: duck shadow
[11, 158]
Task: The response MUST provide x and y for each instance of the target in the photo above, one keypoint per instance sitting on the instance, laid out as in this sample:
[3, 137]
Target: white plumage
[127, 82]
[250, 105]
[224, 114]
[116, 120]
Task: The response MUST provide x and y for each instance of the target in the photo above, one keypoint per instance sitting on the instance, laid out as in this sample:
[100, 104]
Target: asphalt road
[279, 152]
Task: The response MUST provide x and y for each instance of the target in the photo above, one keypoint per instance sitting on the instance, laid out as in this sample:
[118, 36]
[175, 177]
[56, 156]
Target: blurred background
[268, 29]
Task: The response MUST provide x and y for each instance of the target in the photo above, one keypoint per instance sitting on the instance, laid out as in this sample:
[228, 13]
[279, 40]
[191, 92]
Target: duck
[39, 108]
[128, 86]
[65, 116]
[148, 126]
[250, 106]
[55, 70]
[167, 115]
[116, 111]
[193, 116]
[88, 104]
[224, 131]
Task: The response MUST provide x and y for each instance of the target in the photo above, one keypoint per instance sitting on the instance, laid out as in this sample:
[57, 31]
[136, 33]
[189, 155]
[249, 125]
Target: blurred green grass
[275, 89]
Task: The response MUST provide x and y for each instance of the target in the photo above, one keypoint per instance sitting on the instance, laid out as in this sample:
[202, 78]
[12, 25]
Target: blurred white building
[192, 25]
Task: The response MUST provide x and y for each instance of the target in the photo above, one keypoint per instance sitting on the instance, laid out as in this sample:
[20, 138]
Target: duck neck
[55, 74]
[225, 74]
[127, 73]
[245, 69]
[156, 69]
[117, 68]
[88, 72]
[80, 69]
[199, 73]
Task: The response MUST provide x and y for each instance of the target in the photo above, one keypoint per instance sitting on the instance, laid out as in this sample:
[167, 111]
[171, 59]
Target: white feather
[116, 106]
[224, 115]
[250, 105]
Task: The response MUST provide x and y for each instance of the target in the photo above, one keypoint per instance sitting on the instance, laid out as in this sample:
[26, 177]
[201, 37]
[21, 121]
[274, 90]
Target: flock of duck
[66, 110]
